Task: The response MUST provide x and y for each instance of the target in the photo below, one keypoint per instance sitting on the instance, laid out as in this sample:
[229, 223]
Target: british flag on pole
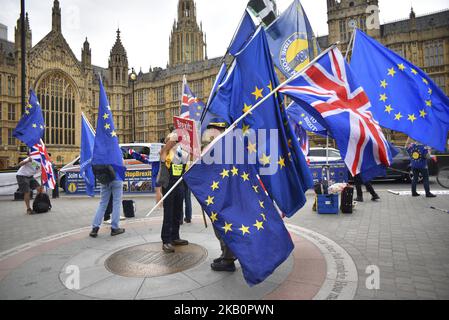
[332, 92]
[191, 107]
[39, 154]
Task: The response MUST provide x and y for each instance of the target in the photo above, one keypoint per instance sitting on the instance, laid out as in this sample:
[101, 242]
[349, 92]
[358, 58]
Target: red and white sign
[188, 133]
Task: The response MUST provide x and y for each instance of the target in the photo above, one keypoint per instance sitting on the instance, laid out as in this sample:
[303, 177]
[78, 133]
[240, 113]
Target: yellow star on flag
[215, 186]
[235, 171]
[42, 127]
[227, 227]
[414, 72]
[214, 217]
[429, 103]
[109, 108]
[398, 116]
[210, 200]
[411, 117]
[225, 173]
[105, 116]
[258, 93]
[261, 204]
[245, 176]
[252, 147]
[383, 84]
[107, 126]
[281, 162]
[265, 160]
[246, 108]
[244, 229]
[30, 106]
[27, 112]
[383, 97]
[388, 109]
[34, 125]
[245, 129]
[258, 225]
[264, 217]
[425, 81]
[422, 114]
[391, 72]
[270, 86]
[113, 134]
[256, 189]
[430, 91]
[401, 66]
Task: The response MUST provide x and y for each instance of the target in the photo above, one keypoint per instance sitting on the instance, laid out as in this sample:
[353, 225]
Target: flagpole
[236, 122]
[351, 44]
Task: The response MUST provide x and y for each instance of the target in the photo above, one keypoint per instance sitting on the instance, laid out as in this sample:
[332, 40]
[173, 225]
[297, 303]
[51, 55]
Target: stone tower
[118, 64]
[86, 55]
[56, 17]
[187, 41]
[344, 15]
[17, 34]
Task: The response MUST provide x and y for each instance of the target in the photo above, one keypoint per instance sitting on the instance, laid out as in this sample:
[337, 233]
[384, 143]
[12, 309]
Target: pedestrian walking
[369, 187]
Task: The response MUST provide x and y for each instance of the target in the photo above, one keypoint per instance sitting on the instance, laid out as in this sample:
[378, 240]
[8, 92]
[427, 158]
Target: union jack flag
[139, 156]
[39, 154]
[329, 87]
[191, 106]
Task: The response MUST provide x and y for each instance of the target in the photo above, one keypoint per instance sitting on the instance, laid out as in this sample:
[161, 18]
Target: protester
[226, 262]
[41, 203]
[358, 185]
[106, 189]
[175, 162]
[188, 204]
[418, 162]
[25, 179]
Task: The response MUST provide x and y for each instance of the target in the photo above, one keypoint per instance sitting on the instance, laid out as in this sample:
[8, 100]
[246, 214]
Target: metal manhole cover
[148, 260]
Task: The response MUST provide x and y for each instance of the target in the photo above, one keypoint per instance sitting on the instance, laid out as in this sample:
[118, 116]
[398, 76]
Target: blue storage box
[327, 204]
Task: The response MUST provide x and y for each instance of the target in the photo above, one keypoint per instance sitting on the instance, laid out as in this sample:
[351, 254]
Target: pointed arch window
[57, 98]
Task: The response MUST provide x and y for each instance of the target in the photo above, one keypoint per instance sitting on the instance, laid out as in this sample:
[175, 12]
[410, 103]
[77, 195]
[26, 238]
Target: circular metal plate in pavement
[148, 260]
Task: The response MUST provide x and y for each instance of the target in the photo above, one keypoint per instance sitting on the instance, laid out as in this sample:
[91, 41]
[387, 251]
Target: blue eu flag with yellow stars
[403, 97]
[106, 147]
[31, 126]
[280, 161]
[244, 216]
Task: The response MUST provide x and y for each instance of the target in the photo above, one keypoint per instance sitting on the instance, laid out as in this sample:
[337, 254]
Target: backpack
[42, 203]
[105, 174]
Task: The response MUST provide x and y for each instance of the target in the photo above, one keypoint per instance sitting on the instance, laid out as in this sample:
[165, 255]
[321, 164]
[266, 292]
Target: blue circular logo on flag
[294, 53]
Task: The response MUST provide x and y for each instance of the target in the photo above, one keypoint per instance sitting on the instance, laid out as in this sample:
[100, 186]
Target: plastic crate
[328, 204]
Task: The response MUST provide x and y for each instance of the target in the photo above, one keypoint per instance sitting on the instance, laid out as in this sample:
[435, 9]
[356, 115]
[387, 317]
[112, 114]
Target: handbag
[105, 174]
[163, 176]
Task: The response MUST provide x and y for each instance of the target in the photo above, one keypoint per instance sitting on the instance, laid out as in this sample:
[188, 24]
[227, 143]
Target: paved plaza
[402, 236]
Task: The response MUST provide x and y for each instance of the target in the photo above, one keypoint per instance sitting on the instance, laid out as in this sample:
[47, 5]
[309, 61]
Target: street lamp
[133, 78]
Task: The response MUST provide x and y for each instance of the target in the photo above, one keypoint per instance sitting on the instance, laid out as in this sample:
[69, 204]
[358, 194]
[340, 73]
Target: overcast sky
[146, 24]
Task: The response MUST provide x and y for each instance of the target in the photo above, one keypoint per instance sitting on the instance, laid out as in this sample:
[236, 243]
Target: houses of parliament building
[67, 87]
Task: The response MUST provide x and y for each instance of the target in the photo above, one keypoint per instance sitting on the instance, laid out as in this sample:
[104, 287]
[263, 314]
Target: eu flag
[243, 214]
[403, 97]
[291, 39]
[106, 147]
[31, 126]
[86, 154]
[281, 163]
[243, 34]
[299, 116]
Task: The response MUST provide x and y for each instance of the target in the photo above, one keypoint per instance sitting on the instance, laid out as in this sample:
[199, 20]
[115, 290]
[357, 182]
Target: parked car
[150, 149]
[321, 155]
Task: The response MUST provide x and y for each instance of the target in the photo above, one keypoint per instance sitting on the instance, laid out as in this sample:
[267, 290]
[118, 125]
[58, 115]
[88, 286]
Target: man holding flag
[108, 167]
[30, 130]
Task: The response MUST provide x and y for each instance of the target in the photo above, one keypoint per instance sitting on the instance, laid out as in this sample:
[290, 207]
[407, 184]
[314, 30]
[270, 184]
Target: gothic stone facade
[67, 87]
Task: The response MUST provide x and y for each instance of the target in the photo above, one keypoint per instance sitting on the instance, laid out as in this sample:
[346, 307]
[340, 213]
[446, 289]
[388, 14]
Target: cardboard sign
[189, 138]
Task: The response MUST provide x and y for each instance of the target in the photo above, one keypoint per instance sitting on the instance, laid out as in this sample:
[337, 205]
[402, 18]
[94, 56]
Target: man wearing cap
[226, 261]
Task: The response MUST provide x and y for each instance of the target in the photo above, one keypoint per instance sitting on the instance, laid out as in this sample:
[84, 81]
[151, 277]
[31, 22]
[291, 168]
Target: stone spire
[56, 17]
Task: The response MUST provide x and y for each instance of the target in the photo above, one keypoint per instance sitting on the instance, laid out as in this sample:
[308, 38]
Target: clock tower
[345, 15]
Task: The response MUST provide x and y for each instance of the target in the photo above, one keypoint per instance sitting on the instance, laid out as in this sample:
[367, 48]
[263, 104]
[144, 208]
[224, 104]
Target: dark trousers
[188, 203]
[425, 174]
[172, 214]
[226, 252]
[358, 186]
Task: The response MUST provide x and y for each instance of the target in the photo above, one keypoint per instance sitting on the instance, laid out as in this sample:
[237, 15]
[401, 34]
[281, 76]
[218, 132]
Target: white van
[152, 150]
